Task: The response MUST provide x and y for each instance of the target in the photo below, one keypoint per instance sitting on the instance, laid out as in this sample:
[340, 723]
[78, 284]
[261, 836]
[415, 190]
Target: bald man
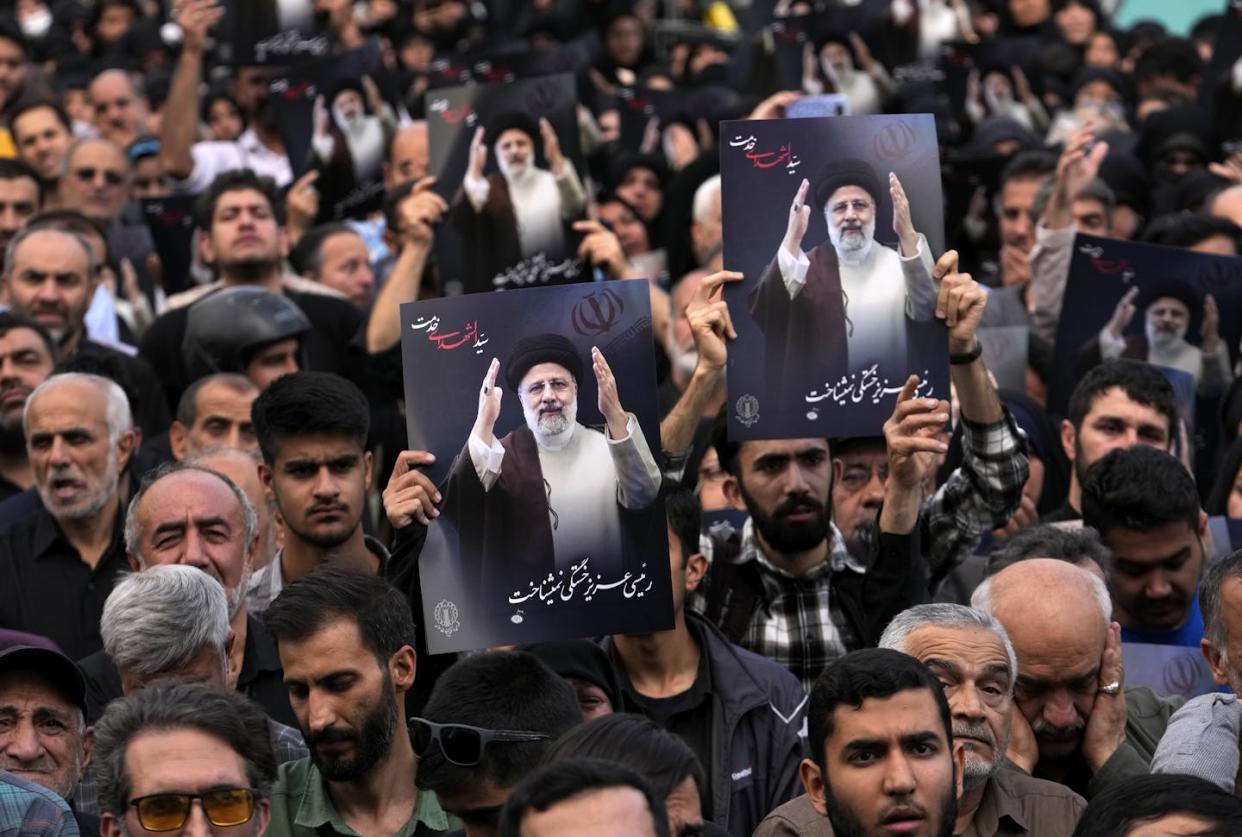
[1076, 723]
[242, 467]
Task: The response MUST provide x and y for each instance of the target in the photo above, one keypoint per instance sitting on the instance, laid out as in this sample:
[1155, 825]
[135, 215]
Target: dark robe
[805, 343]
[489, 238]
[1089, 356]
[502, 537]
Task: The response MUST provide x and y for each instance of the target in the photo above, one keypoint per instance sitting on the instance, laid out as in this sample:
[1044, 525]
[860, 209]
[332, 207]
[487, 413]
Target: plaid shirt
[800, 623]
[27, 809]
[287, 745]
[979, 496]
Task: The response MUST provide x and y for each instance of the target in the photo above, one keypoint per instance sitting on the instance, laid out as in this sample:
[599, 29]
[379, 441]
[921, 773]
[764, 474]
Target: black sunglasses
[223, 808]
[462, 744]
[86, 175]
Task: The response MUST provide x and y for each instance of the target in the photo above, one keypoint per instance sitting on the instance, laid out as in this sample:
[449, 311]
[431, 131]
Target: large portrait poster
[507, 159]
[1151, 303]
[835, 223]
[540, 408]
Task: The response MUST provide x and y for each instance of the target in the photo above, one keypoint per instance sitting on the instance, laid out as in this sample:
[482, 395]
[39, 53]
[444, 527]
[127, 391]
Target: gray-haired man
[171, 623]
[971, 655]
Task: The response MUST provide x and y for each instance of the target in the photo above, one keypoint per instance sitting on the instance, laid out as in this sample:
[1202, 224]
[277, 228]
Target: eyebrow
[179, 525]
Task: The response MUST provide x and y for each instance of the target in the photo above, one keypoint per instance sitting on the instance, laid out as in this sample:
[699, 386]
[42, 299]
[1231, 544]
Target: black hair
[30, 103]
[1186, 229]
[391, 206]
[1176, 57]
[187, 405]
[1226, 475]
[304, 403]
[726, 449]
[555, 783]
[10, 31]
[14, 168]
[10, 320]
[236, 180]
[1139, 489]
[210, 100]
[685, 516]
[510, 690]
[165, 706]
[871, 673]
[1142, 383]
[70, 221]
[307, 255]
[1029, 165]
[335, 592]
[662, 758]
[1116, 811]
[1048, 541]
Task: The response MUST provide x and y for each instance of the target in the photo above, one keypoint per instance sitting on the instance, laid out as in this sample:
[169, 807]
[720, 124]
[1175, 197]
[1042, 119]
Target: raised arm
[179, 127]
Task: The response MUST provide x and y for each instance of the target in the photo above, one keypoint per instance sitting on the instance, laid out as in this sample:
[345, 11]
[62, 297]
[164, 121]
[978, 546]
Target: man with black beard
[27, 356]
[346, 644]
[881, 737]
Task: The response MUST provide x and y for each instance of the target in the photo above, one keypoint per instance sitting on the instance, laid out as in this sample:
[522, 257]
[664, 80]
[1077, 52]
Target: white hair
[160, 619]
[981, 599]
[118, 417]
[705, 197]
[945, 615]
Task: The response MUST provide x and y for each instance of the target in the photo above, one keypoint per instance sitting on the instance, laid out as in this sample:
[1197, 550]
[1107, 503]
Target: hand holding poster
[550, 525]
[831, 319]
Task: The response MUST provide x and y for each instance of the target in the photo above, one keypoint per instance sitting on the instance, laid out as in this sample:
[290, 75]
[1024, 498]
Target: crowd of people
[211, 606]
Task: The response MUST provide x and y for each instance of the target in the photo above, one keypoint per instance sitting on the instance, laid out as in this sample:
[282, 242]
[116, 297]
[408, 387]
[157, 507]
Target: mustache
[331, 735]
[1047, 731]
[979, 730]
[797, 503]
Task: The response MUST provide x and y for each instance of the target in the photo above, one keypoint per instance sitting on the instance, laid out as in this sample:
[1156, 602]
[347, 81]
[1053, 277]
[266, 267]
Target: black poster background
[171, 222]
[442, 393]
[279, 32]
[756, 204]
[453, 114]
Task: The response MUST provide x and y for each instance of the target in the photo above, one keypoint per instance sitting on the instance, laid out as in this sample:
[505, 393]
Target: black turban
[846, 172]
[541, 348]
[512, 121]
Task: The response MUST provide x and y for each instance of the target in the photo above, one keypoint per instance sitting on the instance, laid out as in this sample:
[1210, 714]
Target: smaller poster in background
[278, 32]
[171, 222]
[507, 159]
[337, 116]
[837, 306]
[1166, 290]
[540, 408]
[809, 107]
[1167, 669]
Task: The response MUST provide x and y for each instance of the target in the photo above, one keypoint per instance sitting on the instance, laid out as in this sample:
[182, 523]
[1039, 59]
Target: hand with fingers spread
[609, 401]
[960, 304]
[710, 323]
[410, 494]
[1122, 314]
[489, 405]
[799, 219]
[903, 225]
[1076, 169]
[911, 436]
[600, 247]
[1106, 728]
[195, 19]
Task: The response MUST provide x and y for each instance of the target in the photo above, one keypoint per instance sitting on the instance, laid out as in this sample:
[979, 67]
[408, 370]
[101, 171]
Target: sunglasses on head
[462, 744]
[223, 808]
[86, 175]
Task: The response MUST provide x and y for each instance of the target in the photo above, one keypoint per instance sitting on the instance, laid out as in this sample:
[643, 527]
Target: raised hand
[1106, 728]
[910, 434]
[410, 494]
[600, 246]
[1210, 331]
[609, 402]
[196, 18]
[420, 211]
[1122, 314]
[960, 303]
[302, 202]
[799, 219]
[710, 323]
[902, 223]
[1080, 162]
[551, 147]
[489, 405]
[478, 155]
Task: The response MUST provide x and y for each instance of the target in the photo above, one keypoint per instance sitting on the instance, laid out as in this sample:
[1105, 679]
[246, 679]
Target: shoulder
[188, 297]
[18, 515]
[302, 285]
[772, 679]
[1141, 702]
[796, 817]
[291, 777]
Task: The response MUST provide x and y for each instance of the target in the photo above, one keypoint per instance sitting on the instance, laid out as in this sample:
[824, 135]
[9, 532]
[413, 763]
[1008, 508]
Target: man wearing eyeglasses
[184, 757]
[843, 306]
[346, 643]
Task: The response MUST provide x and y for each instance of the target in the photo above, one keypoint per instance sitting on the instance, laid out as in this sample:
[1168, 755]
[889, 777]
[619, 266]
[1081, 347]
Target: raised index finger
[408, 460]
[800, 198]
[489, 380]
[707, 288]
[907, 391]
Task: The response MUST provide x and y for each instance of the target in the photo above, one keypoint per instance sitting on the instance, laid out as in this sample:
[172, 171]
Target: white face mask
[36, 24]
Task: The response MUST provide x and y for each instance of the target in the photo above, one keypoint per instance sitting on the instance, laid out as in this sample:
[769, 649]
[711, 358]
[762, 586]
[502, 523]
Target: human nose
[196, 822]
[321, 712]
[47, 291]
[898, 777]
[325, 485]
[1158, 586]
[967, 702]
[1059, 711]
[22, 743]
[193, 552]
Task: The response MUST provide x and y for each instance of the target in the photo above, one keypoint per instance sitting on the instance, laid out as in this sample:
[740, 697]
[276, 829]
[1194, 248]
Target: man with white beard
[552, 492]
[842, 307]
[521, 210]
[1164, 343]
[348, 143]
